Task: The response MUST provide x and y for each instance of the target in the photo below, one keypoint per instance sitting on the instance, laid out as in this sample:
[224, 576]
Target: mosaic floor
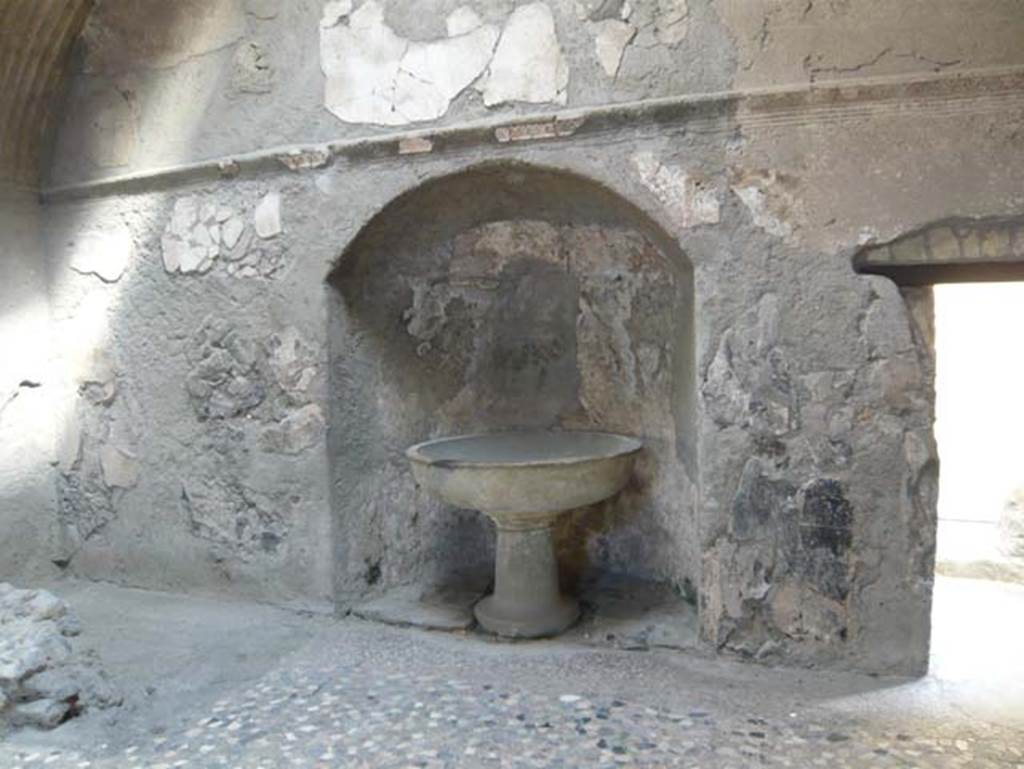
[351, 718]
[365, 695]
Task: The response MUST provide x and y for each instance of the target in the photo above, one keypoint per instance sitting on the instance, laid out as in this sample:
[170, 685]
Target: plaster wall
[26, 388]
[240, 75]
[208, 414]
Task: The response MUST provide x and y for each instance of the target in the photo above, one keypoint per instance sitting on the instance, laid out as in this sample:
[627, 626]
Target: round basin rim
[630, 445]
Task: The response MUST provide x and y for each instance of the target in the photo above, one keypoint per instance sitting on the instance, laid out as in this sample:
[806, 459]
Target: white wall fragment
[231, 231]
[767, 202]
[432, 74]
[120, 469]
[104, 253]
[376, 76]
[197, 234]
[528, 65]
[334, 12]
[671, 21]
[690, 200]
[610, 41]
[267, 215]
[69, 444]
[462, 20]
[360, 60]
[186, 244]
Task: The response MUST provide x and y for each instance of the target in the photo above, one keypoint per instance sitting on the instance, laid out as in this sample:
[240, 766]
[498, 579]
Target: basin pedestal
[526, 602]
[542, 473]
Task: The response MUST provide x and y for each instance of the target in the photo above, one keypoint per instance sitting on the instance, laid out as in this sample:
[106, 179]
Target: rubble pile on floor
[44, 678]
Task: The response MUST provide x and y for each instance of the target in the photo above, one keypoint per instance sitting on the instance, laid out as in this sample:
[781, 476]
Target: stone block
[427, 608]
[43, 678]
[968, 242]
[295, 433]
[635, 614]
[267, 216]
[944, 245]
[910, 250]
[994, 244]
[1017, 243]
[877, 255]
[42, 714]
[528, 63]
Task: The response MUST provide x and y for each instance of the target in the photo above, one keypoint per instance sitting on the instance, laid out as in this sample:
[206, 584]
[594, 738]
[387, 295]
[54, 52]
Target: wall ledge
[965, 93]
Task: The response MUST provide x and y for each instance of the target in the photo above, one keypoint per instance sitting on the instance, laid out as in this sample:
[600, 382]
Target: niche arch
[497, 297]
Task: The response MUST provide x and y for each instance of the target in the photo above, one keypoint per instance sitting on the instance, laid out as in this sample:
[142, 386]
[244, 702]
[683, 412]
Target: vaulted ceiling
[35, 43]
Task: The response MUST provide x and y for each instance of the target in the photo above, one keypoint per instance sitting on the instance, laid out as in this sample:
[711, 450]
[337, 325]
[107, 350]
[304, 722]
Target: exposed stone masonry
[44, 678]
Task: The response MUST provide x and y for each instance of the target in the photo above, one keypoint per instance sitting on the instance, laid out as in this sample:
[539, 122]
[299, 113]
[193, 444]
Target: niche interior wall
[504, 297]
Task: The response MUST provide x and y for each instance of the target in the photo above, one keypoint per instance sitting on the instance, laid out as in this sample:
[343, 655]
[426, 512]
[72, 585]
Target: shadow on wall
[498, 298]
[142, 83]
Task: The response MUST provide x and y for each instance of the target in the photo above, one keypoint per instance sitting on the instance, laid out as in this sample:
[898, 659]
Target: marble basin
[523, 481]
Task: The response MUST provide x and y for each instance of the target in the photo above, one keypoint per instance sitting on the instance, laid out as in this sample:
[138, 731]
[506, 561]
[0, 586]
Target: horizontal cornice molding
[966, 93]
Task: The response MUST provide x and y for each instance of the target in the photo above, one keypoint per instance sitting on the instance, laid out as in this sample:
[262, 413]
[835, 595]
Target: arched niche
[508, 296]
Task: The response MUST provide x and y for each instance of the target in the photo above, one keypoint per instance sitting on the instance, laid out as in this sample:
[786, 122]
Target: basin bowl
[523, 481]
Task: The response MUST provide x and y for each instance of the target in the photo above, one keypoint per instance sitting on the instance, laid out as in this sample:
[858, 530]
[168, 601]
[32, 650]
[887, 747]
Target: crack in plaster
[816, 72]
[13, 396]
[376, 76]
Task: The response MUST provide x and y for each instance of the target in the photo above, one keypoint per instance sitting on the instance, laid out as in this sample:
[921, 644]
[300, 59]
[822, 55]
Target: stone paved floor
[358, 694]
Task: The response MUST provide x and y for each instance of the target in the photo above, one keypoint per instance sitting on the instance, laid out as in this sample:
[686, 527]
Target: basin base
[526, 602]
[551, 622]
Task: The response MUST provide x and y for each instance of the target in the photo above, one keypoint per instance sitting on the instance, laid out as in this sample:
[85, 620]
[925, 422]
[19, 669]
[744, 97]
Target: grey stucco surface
[238, 427]
[26, 386]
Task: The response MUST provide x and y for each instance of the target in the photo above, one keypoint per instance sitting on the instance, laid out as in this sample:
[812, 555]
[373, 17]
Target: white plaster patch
[251, 71]
[93, 372]
[69, 444]
[334, 12]
[375, 76]
[690, 200]
[104, 253]
[231, 231]
[671, 21]
[528, 65]
[360, 60]
[610, 41]
[120, 469]
[766, 203]
[267, 215]
[293, 362]
[462, 20]
[196, 233]
[432, 74]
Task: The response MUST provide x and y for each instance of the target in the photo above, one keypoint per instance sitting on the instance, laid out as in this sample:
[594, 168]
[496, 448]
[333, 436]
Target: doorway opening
[963, 281]
[978, 604]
